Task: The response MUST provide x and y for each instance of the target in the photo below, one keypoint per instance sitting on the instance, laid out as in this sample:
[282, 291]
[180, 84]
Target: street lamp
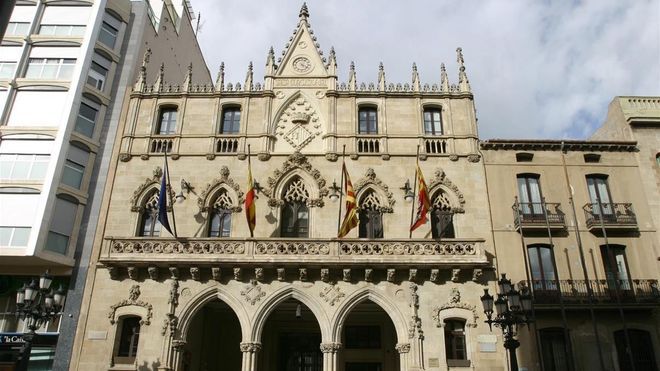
[36, 304]
[512, 308]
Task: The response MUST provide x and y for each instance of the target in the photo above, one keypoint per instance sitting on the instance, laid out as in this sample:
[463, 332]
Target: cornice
[558, 145]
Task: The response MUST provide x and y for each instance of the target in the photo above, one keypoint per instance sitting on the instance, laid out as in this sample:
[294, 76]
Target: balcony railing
[365, 144]
[226, 144]
[429, 253]
[435, 146]
[531, 215]
[575, 292]
[162, 144]
[613, 215]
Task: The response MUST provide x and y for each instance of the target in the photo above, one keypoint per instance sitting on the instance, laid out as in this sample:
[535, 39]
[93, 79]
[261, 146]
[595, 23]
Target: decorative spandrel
[298, 125]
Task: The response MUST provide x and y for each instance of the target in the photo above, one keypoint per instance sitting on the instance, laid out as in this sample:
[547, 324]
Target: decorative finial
[304, 12]
[160, 81]
[352, 66]
[444, 80]
[248, 77]
[414, 67]
[270, 62]
[381, 77]
[220, 80]
[352, 83]
[332, 62]
[187, 83]
[459, 56]
[380, 67]
[145, 58]
[463, 83]
[415, 77]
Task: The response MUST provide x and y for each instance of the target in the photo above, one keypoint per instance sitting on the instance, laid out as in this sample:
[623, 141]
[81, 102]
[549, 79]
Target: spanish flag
[350, 217]
[250, 207]
[423, 201]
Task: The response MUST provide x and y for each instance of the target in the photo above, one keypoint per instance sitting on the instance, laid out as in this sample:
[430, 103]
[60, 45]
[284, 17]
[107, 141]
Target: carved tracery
[379, 192]
[213, 192]
[296, 191]
[296, 161]
[439, 186]
[142, 195]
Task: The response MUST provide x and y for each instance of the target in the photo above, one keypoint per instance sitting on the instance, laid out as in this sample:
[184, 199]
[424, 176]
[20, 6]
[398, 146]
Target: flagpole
[251, 186]
[169, 186]
[341, 188]
[412, 209]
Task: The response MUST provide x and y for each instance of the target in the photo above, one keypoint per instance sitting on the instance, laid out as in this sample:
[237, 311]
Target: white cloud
[537, 68]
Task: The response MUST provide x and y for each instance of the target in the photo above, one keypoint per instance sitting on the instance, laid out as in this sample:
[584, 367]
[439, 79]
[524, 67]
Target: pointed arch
[142, 193]
[296, 165]
[213, 190]
[191, 308]
[353, 300]
[371, 182]
[440, 184]
[278, 297]
[297, 121]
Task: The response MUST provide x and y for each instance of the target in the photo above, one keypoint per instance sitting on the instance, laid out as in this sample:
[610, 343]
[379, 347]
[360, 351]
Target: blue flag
[162, 201]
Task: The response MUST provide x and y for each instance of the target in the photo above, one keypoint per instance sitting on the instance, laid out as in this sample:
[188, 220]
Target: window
[524, 157]
[17, 29]
[7, 70]
[616, 268]
[231, 118]
[529, 190]
[295, 213]
[50, 68]
[61, 226]
[86, 119]
[128, 338]
[591, 157]
[368, 120]
[14, 236]
[108, 35]
[97, 75]
[362, 337]
[23, 166]
[74, 167]
[167, 121]
[553, 349]
[220, 217]
[61, 30]
[599, 191]
[442, 217]
[371, 216]
[641, 346]
[149, 224]
[455, 348]
[432, 121]
[542, 265]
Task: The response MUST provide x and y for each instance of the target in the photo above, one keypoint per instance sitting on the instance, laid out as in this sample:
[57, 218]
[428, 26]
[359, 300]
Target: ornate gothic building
[294, 296]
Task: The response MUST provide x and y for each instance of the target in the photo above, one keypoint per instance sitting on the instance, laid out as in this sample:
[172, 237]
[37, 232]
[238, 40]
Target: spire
[141, 82]
[270, 62]
[463, 83]
[444, 80]
[220, 80]
[332, 62]
[351, 77]
[415, 77]
[381, 77]
[187, 83]
[248, 78]
[160, 81]
[304, 12]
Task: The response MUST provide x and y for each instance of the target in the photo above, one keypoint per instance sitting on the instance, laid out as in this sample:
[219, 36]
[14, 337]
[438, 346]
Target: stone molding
[293, 162]
[133, 295]
[204, 199]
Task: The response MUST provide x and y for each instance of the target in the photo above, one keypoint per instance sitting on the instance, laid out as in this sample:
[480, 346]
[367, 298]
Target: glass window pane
[57, 243]
[72, 174]
[20, 237]
[108, 35]
[5, 235]
[21, 167]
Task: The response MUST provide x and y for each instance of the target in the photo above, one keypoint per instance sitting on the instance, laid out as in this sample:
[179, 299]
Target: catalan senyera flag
[350, 217]
[250, 207]
[423, 201]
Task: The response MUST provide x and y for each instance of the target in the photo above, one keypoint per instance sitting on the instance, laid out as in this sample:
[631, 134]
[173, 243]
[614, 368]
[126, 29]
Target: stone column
[330, 355]
[250, 351]
[404, 350]
[177, 348]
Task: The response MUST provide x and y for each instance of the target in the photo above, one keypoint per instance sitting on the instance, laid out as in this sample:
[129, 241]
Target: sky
[538, 69]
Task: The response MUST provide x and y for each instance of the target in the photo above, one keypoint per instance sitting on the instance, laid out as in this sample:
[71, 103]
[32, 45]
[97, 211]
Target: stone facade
[245, 302]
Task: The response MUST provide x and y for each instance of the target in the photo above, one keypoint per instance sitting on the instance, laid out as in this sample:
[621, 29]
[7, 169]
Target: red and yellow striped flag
[250, 207]
[350, 217]
[423, 201]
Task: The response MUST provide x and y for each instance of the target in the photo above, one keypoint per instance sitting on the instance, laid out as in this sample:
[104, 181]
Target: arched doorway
[369, 340]
[291, 339]
[213, 340]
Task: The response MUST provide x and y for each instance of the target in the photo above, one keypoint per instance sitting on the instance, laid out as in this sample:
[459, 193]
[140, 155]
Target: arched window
[295, 213]
[442, 217]
[126, 341]
[220, 216]
[166, 121]
[542, 266]
[641, 346]
[371, 216]
[149, 224]
[231, 120]
[553, 349]
[432, 121]
[368, 120]
[455, 346]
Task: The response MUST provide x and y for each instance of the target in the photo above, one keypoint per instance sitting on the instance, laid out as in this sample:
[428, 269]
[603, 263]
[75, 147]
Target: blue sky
[538, 69]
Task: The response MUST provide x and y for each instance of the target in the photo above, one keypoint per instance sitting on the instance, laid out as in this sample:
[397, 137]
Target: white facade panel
[23, 13]
[11, 145]
[50, 106]
[70, 15]
[10, 53]
[23, 209]
[54, 52]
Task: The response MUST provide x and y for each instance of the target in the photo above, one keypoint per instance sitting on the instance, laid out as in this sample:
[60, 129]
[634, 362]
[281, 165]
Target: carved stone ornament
[440, 179]
[325, 274]
[415, 322]
[113, 272]
[435, 275]
[293, 162]
[216, 273]
[153, 272]
[455, 274]
[299, 123]
[281, 274]
[195, 273]
[302, 274]
[169, 323]
[454, 301]
[133, 295]
[133, 273]
[477, 273]
[259, 274]
[473, 157]
[370, 179]
[391, 274]
[174, 294]
[253, 292]
[174, 273]
[250, 347]
[368, 274]
[124, 157]
[203, 201]
[330, 347]
[332, 294]
[148, 183]
[238, 273]
[346, 274]
[403, 347]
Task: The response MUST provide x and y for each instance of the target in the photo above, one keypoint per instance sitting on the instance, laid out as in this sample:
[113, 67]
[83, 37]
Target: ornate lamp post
[512, 309]
[36, 304]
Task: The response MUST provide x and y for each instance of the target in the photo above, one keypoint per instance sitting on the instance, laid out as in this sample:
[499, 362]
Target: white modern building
[65, 68]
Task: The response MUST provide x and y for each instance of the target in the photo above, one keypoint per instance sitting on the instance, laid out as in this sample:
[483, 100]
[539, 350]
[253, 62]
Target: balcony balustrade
[226, 144]
[530, 216]
[162, 144]
[367, 144]
[619, 216]
[575, 292]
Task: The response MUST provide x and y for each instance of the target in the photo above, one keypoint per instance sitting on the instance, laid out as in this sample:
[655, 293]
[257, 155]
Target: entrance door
[300, 352]
[616, 270]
